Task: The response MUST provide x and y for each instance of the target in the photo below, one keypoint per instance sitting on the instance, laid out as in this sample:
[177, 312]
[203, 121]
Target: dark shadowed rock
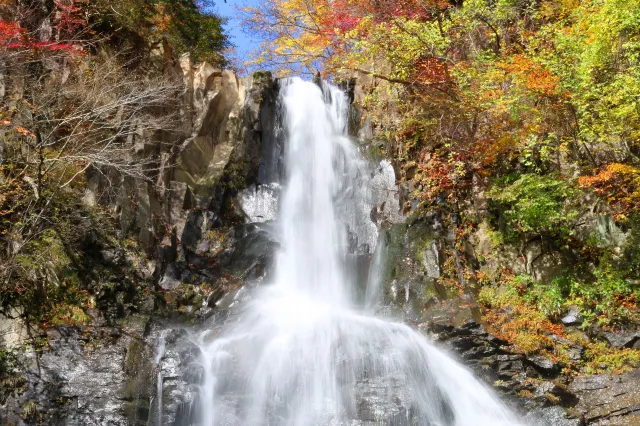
[554, 393]
[252, 253]
[509, 366]
[543, 365]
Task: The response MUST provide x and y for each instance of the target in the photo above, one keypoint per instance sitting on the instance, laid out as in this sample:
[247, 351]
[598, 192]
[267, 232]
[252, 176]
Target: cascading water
[303, 352]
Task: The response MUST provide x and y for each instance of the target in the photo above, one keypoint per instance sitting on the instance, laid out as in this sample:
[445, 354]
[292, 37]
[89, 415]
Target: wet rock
[136, 391]
[252, 253]
[260, 204]
[170, 280]
[77, 383]
[552, 416]
[269, 123]
[386, 197]
[376, 406]
[572, 316]
[178, 375]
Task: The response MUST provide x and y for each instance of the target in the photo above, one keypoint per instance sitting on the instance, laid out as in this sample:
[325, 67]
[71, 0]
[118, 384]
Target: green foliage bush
[606, 300]
[188, 25]
[534, 204]
[526, 313]
[59, 274]
[629, 264]
[599, 355]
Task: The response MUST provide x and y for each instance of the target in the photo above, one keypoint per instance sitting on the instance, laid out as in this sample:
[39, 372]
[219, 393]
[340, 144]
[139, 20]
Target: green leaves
[188, 25]
[596, 53]
[533, 204]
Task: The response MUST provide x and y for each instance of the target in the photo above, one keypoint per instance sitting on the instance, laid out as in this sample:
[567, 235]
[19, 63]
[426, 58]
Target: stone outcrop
[543, 258]
[186, 217]
[608, 400]
[414, 289]
[535, 386]
[227, 141]
[96, 377]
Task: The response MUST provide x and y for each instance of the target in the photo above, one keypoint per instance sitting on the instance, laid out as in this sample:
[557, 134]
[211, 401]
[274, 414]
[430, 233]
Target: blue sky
[243, 42]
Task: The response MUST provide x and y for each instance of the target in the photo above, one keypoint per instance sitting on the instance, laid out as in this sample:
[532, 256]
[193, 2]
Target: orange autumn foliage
[534, 76]
[619, 185]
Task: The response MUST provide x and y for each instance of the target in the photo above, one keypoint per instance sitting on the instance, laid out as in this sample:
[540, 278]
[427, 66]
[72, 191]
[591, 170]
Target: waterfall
[302, 351]
[160, 350]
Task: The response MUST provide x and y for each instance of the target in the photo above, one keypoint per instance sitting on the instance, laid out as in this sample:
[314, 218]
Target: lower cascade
[307, 349]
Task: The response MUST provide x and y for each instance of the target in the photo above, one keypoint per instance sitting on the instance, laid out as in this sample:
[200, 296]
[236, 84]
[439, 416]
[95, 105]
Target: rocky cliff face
[423, 288]
[187, 218]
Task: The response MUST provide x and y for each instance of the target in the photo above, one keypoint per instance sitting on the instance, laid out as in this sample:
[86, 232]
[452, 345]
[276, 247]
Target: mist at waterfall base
[304, 351]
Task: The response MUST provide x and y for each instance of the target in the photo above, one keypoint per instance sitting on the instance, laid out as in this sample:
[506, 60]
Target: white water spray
[160, 351]
[301, 353]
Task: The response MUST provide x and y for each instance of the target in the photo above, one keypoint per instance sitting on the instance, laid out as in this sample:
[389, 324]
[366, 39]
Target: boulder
[609, 399]
[544, 365]
[572, 316]
[623, 339]
[13, 330]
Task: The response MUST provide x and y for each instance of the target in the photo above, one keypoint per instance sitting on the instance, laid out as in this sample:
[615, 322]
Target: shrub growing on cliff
[65, 111]
[513, 318]
[188, 25]
[518, 310]
[608, 300]
[532, 204]
[619, 185]
[61, 125]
